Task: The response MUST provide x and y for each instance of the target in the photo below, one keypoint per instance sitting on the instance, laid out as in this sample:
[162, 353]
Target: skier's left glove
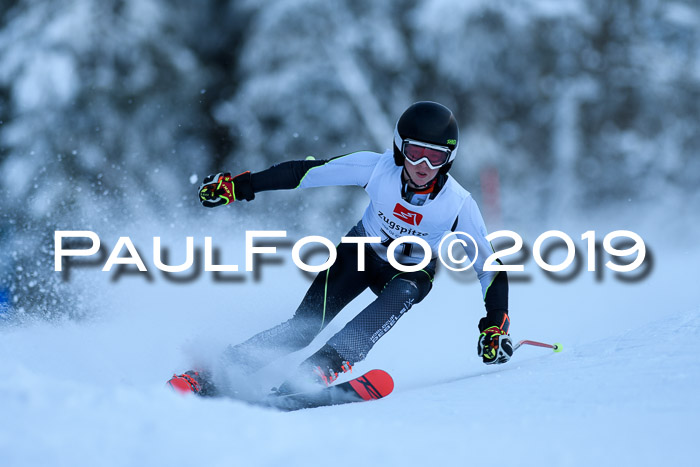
[494, 345]
[222, 189]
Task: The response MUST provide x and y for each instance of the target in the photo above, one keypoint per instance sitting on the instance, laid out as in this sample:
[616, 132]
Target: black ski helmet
[428, 122]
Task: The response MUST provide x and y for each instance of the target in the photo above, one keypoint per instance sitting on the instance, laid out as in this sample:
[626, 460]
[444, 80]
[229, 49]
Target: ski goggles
[416, 152]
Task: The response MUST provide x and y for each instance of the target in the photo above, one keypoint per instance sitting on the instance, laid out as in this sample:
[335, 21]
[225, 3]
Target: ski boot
[195, 382]
[321, 370]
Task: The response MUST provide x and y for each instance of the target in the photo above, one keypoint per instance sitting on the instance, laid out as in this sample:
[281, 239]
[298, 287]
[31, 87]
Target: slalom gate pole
[555, 347]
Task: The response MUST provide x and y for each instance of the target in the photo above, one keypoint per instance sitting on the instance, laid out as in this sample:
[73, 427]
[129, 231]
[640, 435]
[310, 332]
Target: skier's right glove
[494, 346]
[222, 189]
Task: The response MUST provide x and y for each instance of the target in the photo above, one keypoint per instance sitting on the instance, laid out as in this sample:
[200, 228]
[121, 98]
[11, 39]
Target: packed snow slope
[622, 392]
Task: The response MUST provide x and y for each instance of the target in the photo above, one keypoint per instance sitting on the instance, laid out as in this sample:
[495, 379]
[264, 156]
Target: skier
[411, 193]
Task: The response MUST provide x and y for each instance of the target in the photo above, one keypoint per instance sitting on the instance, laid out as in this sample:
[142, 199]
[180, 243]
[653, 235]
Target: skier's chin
[421, 179]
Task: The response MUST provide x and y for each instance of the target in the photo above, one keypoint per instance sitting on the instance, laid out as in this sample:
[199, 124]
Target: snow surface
[623, 391]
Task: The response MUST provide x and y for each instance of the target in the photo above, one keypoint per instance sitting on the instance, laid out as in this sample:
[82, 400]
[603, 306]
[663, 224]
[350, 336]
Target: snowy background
[574, 116]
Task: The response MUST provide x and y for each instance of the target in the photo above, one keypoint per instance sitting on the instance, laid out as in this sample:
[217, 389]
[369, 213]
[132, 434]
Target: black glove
[222, 188]
[494, 346]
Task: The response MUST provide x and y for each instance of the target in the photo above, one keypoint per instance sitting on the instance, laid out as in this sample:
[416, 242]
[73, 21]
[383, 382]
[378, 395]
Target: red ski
[374, 384]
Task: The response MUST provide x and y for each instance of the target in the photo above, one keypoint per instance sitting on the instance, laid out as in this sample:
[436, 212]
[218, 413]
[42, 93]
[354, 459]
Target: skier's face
[420, 174]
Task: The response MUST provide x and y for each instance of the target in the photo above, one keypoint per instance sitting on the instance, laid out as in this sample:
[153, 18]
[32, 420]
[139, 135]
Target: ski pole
[555, 347]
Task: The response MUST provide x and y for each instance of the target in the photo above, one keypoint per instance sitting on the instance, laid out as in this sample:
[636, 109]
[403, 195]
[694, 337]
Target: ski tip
[383, 380]
[557, 347]
[374, 384]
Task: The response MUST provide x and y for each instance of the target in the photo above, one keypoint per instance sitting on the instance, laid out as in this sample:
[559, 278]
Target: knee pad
[404, 292]
[409, 289]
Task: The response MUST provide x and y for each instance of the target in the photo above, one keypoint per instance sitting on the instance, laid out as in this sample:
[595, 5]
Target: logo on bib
[406, 215]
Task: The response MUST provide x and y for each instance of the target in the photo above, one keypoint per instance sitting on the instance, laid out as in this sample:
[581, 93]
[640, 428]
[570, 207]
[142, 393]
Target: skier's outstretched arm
[350, 169]
[494, 344]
